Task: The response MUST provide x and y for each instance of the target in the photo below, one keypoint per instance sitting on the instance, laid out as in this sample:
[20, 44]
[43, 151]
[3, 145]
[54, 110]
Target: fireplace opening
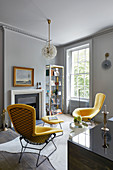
[29, 99]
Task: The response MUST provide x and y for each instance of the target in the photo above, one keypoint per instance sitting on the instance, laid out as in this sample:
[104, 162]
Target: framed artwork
[23, 76]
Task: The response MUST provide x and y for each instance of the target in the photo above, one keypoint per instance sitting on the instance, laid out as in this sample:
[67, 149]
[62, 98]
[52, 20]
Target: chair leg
[38, 158]
[20, 155]
[47, 157]
[60, 127]
[23, 147]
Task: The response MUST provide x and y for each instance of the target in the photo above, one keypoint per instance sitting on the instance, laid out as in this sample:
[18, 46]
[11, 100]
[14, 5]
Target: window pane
[81, 55]
[82, 67]
[75, 80]
[75, 55]
[72, 85]
[87, 67]
[75, 69]
[87, 80]
[75, 91]
[81, 93]
[81, 80]
[86, 88]
[87, 94]
[87, 54]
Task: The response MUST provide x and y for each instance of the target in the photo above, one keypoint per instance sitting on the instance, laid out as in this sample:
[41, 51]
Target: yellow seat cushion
[86, 113]
[43, 133]
[46, 120]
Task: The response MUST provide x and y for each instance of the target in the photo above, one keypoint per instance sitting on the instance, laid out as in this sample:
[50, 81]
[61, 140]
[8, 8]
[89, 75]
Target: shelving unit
[54, 89]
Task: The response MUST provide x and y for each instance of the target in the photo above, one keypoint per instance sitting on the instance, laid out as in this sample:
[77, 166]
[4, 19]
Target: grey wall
[1, 74]
[23, 51]
[60, 60]
[102, 80]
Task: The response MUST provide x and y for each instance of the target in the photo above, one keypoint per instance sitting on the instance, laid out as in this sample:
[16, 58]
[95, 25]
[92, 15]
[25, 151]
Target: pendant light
[49, 51]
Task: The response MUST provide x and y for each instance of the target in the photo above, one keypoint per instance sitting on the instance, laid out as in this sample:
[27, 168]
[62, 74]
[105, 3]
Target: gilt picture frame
[23, 77]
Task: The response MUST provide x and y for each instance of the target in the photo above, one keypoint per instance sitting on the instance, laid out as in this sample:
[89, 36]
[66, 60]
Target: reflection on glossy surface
[76, 130]
[83, 138]
[105, 145]
[97, 140]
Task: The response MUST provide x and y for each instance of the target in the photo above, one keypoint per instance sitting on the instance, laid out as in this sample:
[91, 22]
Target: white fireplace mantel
[33, 91]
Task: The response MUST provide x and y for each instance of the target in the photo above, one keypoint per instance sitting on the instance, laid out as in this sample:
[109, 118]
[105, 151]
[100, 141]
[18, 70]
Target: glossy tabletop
[97, 140]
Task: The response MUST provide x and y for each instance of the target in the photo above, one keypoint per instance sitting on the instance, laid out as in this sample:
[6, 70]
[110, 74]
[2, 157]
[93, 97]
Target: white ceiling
[71, 19]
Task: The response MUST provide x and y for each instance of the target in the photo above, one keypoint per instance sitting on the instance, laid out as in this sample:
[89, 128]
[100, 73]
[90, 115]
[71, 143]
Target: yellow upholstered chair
[89, 113]
[23, 118]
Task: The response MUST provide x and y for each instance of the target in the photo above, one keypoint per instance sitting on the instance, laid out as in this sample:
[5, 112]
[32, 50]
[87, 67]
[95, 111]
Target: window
[80, 72]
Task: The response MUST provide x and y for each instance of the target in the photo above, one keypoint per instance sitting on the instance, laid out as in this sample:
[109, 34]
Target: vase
[78, 123]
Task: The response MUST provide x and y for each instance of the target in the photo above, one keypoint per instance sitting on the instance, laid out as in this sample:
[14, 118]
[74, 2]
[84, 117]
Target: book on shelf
[47, 72]
[57, 111]
[53, 101]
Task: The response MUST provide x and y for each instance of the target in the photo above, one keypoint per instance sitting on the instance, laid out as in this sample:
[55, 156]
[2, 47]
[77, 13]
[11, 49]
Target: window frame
[67, 88]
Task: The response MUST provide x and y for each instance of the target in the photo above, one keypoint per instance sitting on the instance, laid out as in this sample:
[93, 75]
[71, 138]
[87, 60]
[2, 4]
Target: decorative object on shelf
[56, 92]
[106, 64]
[47, 111]
[105, 118]
[59, 93]
[59, 83]
[49, 51]
[47, 92]
[58, 100]
[57, 73]
[39, 85]
[23, 76]
[78, 120]
[53, 82]
[47, 72]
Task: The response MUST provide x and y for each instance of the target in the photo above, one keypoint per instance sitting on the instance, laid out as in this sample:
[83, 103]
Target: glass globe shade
[49, 51]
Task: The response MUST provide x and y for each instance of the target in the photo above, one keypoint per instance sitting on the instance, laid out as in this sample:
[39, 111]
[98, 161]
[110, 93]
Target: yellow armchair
[23, 118]
[89, 113]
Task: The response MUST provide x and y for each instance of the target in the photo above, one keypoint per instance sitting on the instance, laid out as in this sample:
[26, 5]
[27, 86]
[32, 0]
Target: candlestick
[105, 118]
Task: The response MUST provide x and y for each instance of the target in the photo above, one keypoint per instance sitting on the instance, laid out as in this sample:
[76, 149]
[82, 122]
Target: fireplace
[29, 99]
[34, 97]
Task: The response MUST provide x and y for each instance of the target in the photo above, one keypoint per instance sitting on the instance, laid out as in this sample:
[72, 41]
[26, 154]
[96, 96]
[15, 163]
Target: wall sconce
[106, 64]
